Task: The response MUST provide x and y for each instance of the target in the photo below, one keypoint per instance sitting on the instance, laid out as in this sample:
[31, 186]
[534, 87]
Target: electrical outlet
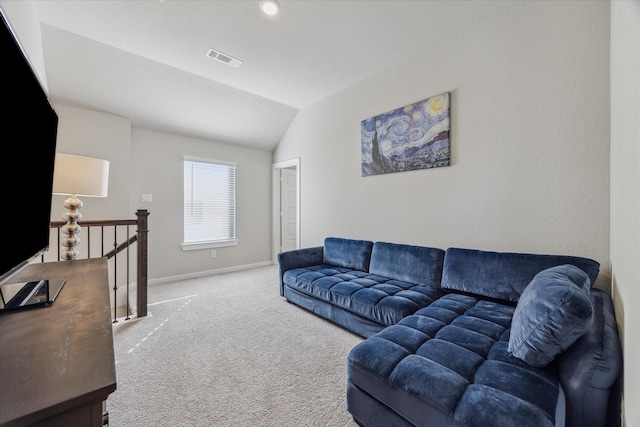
[213, 254]
[146, 198]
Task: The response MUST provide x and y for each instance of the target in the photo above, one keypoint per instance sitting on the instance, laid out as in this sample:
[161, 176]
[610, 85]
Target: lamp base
[71, 228]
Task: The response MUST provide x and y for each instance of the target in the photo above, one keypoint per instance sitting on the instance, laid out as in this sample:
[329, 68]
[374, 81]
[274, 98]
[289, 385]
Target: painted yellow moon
[437, 105]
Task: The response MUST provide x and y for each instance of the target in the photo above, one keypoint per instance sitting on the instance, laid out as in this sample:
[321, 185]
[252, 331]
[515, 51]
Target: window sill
[208, 245]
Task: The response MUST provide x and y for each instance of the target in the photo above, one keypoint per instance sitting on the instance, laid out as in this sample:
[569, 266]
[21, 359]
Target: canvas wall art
[408, 138]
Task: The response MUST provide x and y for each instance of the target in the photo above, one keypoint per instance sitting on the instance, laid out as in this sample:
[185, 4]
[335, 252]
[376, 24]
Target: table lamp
[77, 175]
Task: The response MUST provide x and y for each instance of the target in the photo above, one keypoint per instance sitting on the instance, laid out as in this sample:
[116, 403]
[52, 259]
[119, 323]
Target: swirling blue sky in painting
[412, 126]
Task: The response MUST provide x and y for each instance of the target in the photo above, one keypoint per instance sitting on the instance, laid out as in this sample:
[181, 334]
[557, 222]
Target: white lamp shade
[80, 175]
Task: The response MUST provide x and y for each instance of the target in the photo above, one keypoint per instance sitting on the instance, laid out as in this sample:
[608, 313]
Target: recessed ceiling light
[270, 7]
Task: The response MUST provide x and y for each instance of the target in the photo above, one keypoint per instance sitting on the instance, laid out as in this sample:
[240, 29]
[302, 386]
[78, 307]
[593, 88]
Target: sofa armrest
[298, 258]
[590, 368]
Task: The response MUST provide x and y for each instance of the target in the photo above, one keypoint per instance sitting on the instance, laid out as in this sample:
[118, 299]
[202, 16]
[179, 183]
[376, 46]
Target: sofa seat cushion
[380, 299]
[450, 361]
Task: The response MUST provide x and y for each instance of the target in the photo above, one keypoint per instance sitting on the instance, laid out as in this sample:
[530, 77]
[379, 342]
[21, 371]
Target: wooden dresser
[57, 364]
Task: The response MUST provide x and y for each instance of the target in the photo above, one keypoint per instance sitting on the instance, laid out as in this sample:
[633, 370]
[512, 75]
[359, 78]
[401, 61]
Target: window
[209, 204]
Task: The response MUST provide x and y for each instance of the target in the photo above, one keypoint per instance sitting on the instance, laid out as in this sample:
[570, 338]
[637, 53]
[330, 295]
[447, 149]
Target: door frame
[277, 203]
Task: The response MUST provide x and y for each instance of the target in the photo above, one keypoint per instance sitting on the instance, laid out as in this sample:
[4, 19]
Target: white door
[288, 210]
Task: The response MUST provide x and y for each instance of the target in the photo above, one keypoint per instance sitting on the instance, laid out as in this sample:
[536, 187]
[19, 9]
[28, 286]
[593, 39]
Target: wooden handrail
[121, 247]
[98, 222]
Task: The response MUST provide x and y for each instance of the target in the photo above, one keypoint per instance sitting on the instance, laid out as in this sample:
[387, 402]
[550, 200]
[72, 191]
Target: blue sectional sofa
[360, 285]
[464, 337]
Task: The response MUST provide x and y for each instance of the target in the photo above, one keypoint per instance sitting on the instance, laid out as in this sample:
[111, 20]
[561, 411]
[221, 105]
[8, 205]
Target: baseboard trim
[208, 273]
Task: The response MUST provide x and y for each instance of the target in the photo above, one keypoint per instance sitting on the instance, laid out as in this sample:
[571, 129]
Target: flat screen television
[29, 127]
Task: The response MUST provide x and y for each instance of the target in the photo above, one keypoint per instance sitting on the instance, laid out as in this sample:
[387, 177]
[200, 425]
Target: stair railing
[111, 235]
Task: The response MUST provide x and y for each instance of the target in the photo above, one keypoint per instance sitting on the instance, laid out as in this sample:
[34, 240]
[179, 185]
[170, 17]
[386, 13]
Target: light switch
[147, 198]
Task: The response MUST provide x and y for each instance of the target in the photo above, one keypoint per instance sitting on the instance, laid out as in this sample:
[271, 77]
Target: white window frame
[207, 244]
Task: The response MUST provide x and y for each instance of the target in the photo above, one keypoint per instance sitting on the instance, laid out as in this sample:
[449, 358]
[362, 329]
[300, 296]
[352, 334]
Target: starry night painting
[408, 138]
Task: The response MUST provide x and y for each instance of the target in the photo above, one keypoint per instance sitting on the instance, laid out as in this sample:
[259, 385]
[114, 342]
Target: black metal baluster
[58, 244]
[115, 273]
[128, 281]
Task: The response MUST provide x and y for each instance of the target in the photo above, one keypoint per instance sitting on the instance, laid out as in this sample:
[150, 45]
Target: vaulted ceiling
[146, 59]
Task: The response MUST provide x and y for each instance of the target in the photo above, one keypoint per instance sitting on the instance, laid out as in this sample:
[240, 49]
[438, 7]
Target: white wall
[159, 171]
[104, 136]
[529, 139]
[625, 191]
[23, 20]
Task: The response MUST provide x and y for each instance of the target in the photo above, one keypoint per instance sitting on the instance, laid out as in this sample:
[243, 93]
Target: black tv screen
[29, 128]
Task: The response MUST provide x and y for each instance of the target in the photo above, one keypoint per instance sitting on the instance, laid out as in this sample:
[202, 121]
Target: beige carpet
[227, 350]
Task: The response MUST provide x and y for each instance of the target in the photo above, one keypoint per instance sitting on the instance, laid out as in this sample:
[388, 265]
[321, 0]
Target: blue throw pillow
[552, 313]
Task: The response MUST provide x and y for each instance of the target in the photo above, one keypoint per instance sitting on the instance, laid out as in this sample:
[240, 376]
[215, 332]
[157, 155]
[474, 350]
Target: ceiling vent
[224, 58]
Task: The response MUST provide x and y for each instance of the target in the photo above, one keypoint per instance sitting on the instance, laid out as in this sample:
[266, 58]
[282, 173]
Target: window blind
[209, 201]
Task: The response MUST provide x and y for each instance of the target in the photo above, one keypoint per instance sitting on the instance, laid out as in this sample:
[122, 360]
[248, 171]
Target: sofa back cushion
[348, 253]
[413, 264]
[502, 275]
